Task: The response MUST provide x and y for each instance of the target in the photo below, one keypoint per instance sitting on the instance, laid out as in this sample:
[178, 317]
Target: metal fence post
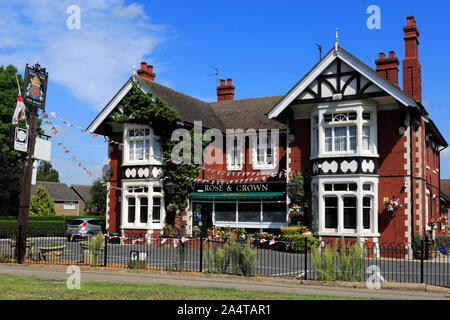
[105, 252]
[306, 258]
[422, 252]
[19, 246]
[201, 251]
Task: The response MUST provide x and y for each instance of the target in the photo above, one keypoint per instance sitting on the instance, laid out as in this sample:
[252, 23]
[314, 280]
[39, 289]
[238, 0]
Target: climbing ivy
[147, 109]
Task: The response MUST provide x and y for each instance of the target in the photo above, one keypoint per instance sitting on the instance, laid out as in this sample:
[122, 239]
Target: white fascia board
[355, 64]
[302, 85]
[378, 80]
[110, 107]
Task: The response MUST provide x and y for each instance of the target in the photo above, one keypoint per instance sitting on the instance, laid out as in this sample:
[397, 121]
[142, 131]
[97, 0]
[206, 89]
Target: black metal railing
[334, 261]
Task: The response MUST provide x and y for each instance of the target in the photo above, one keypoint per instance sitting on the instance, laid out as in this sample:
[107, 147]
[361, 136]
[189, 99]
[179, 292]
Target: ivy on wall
[147, 109]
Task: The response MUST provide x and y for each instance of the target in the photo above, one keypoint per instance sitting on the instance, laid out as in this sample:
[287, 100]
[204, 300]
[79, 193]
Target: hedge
[53, 218]
[8, 228]
[297, 239]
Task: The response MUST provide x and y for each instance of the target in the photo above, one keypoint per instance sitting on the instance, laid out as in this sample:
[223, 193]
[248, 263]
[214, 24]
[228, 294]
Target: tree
[45, 172]
[41, 204]
[97, 205]
[10, 160]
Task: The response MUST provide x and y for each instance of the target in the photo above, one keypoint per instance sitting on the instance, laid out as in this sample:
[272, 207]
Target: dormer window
[141, 146]
[349, 130]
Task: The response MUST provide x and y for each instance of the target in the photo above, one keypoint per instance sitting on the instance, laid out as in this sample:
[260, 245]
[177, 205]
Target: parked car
[84, 227]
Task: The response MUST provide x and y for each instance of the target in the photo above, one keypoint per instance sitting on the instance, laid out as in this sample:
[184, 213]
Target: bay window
[142, 205]
[347, 130]
[141, 145]
[345, 206]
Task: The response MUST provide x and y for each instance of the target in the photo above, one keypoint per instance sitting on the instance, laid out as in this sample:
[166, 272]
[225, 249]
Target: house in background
[84, 193]
[67, 203]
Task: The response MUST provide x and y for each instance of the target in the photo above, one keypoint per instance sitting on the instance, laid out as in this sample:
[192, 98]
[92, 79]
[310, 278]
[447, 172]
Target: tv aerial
[215, 74]
[320, 50]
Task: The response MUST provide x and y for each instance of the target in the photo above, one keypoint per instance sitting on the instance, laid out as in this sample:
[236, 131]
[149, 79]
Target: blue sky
[265, 46]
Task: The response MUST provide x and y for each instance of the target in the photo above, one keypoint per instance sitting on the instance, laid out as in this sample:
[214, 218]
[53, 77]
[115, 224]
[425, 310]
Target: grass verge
[33, 288]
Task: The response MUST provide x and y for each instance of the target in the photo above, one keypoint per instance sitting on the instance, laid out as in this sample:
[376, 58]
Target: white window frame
[235, 151]
[149, 193]
[69, 205]
[360, 107]
[264, 148]
[152, 140]
[321, 194]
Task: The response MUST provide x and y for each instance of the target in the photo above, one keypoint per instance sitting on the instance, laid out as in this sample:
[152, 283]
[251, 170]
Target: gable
[340, 76]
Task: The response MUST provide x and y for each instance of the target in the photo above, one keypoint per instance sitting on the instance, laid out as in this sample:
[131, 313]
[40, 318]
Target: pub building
[365, 140]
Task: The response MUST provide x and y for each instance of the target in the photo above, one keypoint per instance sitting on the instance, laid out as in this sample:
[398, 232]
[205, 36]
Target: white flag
[19, 113]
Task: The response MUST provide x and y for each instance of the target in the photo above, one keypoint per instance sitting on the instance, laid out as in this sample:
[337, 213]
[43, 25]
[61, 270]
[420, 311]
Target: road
[217, 281]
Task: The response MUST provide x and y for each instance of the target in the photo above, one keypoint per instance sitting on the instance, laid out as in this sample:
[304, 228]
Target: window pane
[366, 115]
[340, 139]
[131, 210]
[366, 138]
[328, 139]
[225, 212]
[349, 212]
[353, 186]
[274, 212]
[328, 187]
[331, 212]
[144, 209]
[367, 186]
[156, 210]
[340, 187]
[367, 210]
[249, 212]
[352, 116]
[352, 136]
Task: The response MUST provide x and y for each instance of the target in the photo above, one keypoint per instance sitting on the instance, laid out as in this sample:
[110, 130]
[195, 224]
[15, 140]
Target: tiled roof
[445, 187]
[84, 191]
[58, 191]
[235, 114]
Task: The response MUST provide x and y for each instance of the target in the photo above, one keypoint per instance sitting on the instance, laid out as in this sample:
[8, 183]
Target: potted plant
[52, 252]
[432, 248]
[29, 247]
[196, 231]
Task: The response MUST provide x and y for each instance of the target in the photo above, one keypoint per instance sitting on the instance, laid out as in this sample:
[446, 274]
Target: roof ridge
[245, 99]
[184, 94]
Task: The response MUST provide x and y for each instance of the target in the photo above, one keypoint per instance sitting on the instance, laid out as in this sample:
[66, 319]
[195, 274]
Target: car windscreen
[76, 222]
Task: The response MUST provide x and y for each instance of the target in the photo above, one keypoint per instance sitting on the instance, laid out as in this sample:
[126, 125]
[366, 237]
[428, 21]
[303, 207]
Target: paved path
[223, 282]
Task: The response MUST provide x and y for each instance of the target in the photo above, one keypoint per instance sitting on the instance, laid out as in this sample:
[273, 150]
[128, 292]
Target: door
[202, 215]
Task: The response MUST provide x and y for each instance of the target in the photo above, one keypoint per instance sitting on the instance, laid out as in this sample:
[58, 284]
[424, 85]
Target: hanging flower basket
[392, 205]
[296, 211]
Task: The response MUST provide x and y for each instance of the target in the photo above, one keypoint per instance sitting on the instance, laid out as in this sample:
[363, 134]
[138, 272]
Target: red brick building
[364, 139]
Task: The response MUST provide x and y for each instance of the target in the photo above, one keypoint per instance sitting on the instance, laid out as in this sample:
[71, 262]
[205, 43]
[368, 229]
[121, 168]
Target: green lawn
[29, 288]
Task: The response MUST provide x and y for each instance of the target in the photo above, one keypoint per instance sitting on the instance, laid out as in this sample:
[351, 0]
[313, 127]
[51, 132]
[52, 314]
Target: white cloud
[445, 154]
[92, 62]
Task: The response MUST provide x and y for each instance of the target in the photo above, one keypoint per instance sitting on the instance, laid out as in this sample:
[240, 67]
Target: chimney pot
[146, 71]
[225, 92]
[388, 67]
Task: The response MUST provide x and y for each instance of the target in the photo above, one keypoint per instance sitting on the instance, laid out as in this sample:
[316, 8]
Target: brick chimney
[146, 71]
[225, 92]
[388, 67]
[412, 71]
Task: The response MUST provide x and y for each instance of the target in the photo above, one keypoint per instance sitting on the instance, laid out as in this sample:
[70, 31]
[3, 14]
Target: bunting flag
[19, 113]
[258, 175]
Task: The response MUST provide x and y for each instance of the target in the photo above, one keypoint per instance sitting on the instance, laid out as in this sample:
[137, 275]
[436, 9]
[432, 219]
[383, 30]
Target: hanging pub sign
[35, 84]
[21, 139]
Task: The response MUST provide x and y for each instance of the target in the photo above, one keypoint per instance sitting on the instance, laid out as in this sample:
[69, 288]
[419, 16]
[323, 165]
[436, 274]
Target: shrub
[297, 242]
[41, 204]
[344, 262]
[95, 247]
[443, 241]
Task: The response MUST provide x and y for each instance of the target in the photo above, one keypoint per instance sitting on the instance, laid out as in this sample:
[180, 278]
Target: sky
[266, 47]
